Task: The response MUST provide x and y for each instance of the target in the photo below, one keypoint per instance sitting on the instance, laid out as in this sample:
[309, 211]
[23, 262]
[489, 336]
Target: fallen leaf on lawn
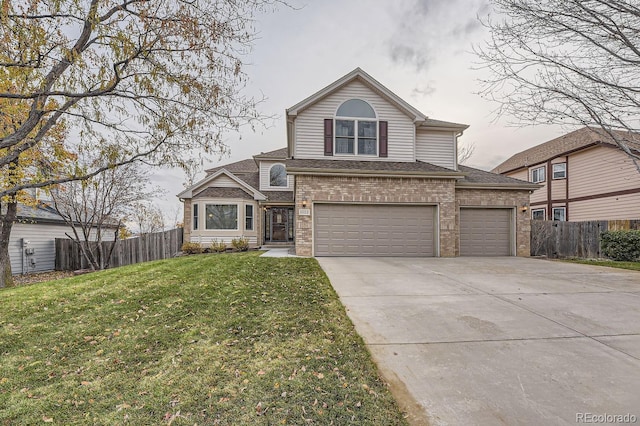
[261, 373]
[47, 419]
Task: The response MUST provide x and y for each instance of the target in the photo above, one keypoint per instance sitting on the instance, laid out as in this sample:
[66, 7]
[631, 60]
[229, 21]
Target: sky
[419, 49]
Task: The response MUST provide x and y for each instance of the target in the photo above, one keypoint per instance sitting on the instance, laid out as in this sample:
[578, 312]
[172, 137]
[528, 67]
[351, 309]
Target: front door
[279, 224]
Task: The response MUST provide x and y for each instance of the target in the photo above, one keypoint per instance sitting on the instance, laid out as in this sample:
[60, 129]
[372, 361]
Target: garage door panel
[485, 231]
[373, 230]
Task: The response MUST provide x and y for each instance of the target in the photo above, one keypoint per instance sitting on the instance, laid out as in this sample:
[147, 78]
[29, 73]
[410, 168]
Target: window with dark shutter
[384, 130]
[328, 136]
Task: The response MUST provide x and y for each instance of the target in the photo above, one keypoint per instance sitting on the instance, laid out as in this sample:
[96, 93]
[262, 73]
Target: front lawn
[634, 266]
[210, 339]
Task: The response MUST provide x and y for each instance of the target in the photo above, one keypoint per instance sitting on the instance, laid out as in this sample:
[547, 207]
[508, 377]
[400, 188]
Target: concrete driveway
[499, 340]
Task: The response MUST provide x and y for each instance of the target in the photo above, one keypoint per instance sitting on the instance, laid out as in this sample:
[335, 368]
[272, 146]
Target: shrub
[218, 246]
[621, 245]
[192, 248]
[241, 244]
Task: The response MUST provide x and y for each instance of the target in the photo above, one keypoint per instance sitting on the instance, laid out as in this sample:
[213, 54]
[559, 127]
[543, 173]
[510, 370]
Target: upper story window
[560, 171]
[537, 174]
[356, 129]
[278, 176]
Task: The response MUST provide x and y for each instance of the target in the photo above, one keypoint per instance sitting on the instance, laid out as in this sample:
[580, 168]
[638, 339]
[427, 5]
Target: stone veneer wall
[186, 223]
[493, 198]
[376, 190]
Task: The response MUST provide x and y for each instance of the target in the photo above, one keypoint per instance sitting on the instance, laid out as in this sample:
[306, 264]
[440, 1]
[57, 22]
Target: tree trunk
[6, 223]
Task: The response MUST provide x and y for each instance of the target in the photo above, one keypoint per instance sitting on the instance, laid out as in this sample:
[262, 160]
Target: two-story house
[582, 176]
[363, 174]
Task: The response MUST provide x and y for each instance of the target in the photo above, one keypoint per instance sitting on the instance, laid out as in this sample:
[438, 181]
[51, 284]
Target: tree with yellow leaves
[129, 80]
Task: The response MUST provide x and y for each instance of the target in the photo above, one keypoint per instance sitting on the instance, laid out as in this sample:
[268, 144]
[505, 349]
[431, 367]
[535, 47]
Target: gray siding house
[363, 174]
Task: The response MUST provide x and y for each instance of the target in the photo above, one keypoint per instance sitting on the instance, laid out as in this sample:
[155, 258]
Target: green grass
[210, 339]
[634, 266]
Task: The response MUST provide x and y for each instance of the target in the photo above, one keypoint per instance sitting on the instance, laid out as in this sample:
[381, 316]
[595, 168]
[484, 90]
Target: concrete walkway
[491, 341]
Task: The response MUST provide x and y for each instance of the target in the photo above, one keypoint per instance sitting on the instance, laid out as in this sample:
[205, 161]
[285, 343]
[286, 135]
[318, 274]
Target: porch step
[277, 245]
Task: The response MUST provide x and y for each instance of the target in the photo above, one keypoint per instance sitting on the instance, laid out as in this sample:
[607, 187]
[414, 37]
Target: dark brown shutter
[383, 152]
[328, 136]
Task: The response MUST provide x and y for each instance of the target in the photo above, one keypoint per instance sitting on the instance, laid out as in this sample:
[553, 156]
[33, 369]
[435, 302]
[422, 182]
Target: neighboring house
[583, 176]
[33, 235]
[364, 174]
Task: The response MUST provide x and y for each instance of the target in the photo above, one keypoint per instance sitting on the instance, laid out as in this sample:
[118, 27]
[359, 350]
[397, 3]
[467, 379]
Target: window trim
[248, 216]
[564, 171]
[544, 213]
[564, 214]
[544, 173]
[286, 176]
[356, 120]
[194, 218]
[237, 228]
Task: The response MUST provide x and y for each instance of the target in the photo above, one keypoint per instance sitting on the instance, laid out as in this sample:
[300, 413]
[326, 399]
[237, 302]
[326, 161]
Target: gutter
[376, 173]
[507, 186]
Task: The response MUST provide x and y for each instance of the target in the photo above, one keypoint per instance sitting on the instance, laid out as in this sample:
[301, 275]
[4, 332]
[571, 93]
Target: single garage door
[485, 232]
[374, 230]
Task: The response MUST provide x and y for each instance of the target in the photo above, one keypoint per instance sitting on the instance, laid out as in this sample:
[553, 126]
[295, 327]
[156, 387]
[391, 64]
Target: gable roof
[189, 192]
[357, 74]
[565, 144]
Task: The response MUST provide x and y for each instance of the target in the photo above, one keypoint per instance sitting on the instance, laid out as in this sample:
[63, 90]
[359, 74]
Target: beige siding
[600, 170]
[520, 174]
[41, 238]
[206, 236]
[609, 208]
[539, 194]
[558, 189]
[265, 167]
[437, 148]
[309, 125]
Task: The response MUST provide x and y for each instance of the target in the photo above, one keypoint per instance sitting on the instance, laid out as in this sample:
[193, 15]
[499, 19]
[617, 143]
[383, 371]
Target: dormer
[273, 171]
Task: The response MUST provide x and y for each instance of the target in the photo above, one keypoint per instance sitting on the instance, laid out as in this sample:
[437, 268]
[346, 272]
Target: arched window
[356, 128]
[278, 175]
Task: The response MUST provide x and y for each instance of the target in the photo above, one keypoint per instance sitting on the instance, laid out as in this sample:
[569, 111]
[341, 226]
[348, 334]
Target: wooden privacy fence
[573, 239]
[159, 245]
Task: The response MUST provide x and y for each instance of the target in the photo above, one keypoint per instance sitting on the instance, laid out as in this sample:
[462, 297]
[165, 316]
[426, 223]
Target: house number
[304, 212]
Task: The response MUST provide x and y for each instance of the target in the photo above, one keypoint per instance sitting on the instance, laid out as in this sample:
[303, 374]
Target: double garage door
[374, 230]
[401, 230]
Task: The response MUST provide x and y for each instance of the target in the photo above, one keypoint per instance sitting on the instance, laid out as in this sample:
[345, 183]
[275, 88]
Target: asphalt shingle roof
[369, 166]
[575, 140]
[242, 166]
[477, 176]
[224, 192]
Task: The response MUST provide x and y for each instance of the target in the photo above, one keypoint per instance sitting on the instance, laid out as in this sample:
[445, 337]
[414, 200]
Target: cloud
[423, 30]
[422, 91]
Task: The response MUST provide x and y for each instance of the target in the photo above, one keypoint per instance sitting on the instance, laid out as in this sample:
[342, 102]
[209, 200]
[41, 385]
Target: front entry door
[279, 224]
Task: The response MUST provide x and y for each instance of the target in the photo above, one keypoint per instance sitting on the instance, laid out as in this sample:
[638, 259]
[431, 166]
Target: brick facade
[394, 190]
[385, 190]
[498, 198]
